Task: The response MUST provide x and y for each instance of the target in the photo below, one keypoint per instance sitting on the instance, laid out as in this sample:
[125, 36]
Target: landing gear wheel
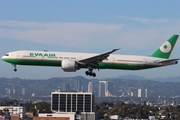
[15, 70]
[90, 73]
[87, 72]
[94, 74]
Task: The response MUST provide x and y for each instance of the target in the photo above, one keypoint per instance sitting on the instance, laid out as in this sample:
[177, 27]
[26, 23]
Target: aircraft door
[19, 55]
[145, 61]
[113, 59]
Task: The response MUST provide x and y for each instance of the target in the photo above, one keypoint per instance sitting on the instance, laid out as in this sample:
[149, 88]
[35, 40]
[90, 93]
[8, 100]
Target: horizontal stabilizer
[169, 60]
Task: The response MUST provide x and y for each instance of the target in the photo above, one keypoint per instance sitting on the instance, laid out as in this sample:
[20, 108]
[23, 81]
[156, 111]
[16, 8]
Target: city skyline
[104, 88]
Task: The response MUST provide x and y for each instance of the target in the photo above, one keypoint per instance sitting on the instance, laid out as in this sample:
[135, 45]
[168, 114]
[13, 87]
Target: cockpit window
[6, 54]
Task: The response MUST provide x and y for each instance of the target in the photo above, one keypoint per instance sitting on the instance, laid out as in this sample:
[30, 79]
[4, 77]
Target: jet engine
[69, 66]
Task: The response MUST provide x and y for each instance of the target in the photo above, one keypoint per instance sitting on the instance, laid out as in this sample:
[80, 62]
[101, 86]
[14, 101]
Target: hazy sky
[138, 27]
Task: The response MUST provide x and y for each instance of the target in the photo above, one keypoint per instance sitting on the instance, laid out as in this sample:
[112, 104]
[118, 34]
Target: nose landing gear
[15, 69]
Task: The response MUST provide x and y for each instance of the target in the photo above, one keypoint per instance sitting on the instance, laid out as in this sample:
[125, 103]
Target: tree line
[136, 111]
[106, 109]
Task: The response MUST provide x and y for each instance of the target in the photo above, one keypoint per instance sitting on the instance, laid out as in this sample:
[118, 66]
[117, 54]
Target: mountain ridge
[136, 77]
[131, 77]
[120, 85]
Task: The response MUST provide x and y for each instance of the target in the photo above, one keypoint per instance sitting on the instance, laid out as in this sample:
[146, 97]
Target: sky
[137, 27]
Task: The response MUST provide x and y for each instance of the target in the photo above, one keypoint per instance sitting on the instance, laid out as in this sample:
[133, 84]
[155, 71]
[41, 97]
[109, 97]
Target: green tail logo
[165, 50]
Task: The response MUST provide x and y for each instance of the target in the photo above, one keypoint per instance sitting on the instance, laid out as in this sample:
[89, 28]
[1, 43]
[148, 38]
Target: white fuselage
[20, 58]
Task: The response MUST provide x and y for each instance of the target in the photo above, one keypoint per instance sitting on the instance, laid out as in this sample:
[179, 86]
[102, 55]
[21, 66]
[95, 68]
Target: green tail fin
[165, 50]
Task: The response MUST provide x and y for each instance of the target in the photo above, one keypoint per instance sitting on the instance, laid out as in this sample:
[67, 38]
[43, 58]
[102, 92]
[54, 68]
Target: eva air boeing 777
[70, 62]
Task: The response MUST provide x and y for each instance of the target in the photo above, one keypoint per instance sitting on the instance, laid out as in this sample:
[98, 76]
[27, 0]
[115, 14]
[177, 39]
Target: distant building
[90, 87]
[8, 91]
[139, 93]
[14, 91]
[143, 93]
[69, 104]
[77, 85]
[122, 94]
[105, 89]
[109, 89]
[15, 117]
[72, 101]
[82, 88]
[131, 94]
[23, 91]
[66, 86]
[146, 93]
[14, 110]
[55, 116]
[33, 94]
[114, 117]
[102, 88]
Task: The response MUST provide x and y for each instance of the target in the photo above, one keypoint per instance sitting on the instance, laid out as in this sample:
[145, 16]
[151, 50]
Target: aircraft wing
[169, 60]
[94, 60]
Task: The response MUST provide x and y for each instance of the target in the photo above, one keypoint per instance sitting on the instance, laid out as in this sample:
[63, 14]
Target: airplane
[72, 61]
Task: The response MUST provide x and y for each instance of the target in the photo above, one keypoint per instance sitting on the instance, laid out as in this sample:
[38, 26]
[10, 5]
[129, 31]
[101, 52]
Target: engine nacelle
[69, 65]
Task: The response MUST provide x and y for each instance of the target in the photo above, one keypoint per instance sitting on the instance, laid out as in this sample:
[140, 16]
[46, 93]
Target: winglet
[115, 49]
[165, 50]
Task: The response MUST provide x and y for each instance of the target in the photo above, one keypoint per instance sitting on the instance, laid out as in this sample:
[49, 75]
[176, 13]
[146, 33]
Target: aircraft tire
[87, 73]
[94, 74]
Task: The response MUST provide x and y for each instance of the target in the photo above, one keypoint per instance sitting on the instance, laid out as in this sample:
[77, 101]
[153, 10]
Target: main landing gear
[90, 73]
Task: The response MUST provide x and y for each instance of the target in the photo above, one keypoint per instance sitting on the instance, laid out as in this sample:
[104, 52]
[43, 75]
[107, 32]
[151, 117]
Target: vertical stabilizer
[165, 50]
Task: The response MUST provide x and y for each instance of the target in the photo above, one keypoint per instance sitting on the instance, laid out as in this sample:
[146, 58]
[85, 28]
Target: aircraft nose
[5, 56]
[2, 57]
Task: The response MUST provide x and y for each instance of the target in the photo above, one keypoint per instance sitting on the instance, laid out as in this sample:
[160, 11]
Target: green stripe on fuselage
[57, 63]
[124, 66]
[34, 62]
